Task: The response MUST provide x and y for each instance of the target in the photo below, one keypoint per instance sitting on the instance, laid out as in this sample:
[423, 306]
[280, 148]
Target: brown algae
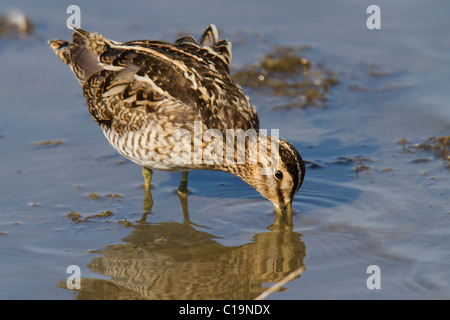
[439, 146]
[76, 217]
[285, 72]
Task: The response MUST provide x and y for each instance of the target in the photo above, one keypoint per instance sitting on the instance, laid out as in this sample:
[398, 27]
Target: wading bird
[142, 92]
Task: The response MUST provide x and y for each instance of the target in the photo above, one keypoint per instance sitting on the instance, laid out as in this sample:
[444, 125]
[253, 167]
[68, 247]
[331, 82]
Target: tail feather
[186, 39]
[84, 61]
[210, 37]
[61, 48]
[223, 47]
[93, 41]
[81, 55]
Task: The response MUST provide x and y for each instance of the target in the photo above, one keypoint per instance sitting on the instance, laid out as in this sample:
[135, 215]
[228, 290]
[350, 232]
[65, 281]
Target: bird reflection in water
[173, 260]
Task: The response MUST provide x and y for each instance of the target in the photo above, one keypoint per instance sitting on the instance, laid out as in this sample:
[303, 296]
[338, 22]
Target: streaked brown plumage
[141, 92]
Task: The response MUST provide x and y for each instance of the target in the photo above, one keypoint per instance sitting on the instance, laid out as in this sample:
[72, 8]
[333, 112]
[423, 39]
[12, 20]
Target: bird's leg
[148, 199]
[182, 188]
[147, 206]
[184, 205]
[147, 173]
[182, 195]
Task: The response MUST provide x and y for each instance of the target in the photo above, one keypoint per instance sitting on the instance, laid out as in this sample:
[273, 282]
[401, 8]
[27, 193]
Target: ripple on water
[318, 194]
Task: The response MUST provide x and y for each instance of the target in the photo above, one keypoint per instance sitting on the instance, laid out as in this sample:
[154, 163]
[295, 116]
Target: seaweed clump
[439, 146]
[286, 73]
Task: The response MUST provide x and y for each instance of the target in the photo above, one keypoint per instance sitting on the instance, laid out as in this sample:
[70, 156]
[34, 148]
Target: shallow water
[367, 198]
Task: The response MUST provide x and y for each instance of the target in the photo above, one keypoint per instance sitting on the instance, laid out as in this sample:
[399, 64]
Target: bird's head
[280, 183]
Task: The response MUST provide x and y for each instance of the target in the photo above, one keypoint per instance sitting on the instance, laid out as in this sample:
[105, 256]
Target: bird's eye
[278, 174]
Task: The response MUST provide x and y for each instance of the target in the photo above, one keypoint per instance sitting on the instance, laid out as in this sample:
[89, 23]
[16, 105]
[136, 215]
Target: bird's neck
[248, 155]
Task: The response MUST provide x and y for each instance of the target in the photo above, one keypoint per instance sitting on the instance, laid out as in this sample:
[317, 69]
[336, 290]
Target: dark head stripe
[294, 164]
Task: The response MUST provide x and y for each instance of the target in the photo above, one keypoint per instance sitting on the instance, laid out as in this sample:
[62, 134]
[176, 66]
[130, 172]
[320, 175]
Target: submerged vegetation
[286, 72]
[439, 146]
[77, 217]
[48, 143]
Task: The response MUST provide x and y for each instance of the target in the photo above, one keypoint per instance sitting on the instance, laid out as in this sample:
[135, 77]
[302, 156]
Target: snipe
[147, 94]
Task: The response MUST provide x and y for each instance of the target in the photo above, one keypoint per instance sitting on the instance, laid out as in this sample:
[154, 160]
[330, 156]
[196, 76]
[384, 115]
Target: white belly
[146, 150]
